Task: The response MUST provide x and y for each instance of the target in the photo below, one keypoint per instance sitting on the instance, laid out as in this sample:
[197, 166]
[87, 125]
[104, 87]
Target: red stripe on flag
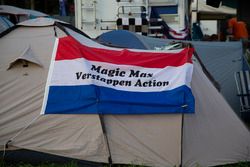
[69, 49]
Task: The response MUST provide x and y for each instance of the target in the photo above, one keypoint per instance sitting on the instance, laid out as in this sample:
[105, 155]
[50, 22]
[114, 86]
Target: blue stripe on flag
[93, 99]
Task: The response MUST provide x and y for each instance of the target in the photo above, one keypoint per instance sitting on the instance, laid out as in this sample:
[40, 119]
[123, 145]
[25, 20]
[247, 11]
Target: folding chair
[242, 79]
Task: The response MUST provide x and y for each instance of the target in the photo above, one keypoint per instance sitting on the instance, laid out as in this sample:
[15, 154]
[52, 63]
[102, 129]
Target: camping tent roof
[213, 135]
[39, 22]
[122, 38]
[36, 13]
[12, 10]
[6, 9]
[4, 24]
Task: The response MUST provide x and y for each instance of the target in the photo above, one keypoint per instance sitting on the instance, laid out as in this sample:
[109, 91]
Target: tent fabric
[211, 137]
[145, 141]
[82, 39]
[26, 55]
[34, 13]
[39, 22]
[6, 9]
[203, 132]
[4, 24]
[213, 55]
[17, 15]
[25, 101]
[114, 37]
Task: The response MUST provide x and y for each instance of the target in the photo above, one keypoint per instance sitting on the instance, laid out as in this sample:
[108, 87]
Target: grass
[74, 164]
[46, 164]
[240, 164]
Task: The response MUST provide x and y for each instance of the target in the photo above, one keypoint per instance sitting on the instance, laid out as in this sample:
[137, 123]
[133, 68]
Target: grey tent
[18, 14]
[212, 136]
[4, 24]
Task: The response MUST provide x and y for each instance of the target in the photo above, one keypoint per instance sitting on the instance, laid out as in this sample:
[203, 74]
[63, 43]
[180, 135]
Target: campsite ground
[22, 164]
[74, 164]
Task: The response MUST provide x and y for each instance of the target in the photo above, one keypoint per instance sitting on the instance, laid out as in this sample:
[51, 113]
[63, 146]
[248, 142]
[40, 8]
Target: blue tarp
[122, 38]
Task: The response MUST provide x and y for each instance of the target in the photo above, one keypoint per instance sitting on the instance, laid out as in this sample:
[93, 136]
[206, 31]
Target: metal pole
[32, 4]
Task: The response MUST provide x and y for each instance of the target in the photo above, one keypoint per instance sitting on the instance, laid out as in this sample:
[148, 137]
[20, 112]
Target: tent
[212, 54]
[214, 135]
[4, 24]
[17, 14]
[121, 38]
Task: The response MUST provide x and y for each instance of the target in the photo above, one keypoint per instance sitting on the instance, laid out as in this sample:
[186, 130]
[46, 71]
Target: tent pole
[32, 4]
[55, 31]
[106, 138]
[182, 126]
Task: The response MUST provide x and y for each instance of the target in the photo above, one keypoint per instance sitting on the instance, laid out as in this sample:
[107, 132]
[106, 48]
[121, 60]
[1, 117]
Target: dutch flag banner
[89, 80]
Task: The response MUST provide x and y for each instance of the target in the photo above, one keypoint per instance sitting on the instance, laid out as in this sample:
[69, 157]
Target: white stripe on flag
[65, 73]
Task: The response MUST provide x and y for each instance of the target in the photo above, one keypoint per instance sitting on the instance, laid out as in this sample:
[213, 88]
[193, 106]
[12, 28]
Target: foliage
[21, 164]
[240, 164]
[74, 164]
